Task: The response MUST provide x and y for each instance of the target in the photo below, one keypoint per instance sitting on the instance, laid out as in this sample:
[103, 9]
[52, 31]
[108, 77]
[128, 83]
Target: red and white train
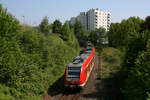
[78, 72]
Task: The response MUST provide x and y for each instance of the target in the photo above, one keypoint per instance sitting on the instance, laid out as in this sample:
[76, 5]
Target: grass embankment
[110, 62]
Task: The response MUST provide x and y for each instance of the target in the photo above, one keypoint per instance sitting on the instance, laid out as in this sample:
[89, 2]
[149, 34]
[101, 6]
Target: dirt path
[95, 89]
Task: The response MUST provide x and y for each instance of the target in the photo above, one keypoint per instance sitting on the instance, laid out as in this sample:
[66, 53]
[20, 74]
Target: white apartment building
[98, 18]
[93, 18]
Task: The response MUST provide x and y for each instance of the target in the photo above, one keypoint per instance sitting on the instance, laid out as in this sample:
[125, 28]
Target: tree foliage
[77, 27]
[121, 33]
[97, 36]
[44, 26]
[80, 33]
[57, 26]
[134, 73]
[133, 34]
[31, 61]
[66, 32]
[146, 24]
[83, 34]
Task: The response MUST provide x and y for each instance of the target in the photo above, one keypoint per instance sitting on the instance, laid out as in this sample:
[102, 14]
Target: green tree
[146, 24]
[97, 36]
[65, 33]
[136, 84]
[44, 26]
[31, 62]
[77, 27]
[57, 26]
[133, 34]
[10, 53]
[114, 35]
[71, 26]
[83, 34]
[123, 31]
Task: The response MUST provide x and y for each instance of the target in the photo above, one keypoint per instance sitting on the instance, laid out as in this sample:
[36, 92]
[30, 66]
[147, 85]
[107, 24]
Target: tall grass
[110, 61]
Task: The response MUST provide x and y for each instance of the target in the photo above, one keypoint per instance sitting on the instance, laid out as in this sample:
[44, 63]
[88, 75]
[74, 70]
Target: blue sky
[34, 10]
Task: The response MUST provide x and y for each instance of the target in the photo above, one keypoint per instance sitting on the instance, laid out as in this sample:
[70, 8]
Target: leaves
[44, 26]
[57, 26]
[133, 35]
[30, 61]
[121, 33]
[98, 36]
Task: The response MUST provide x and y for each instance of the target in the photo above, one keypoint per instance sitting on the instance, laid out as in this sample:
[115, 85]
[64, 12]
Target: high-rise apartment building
[72, 20]
[94, 18]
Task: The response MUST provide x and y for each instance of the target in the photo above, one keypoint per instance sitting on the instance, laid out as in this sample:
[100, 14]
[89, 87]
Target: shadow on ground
[106, 89]
[59, 88]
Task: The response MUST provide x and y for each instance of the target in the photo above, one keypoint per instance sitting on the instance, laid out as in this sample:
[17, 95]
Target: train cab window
[77, 74]
[74, 71]
[74, 68]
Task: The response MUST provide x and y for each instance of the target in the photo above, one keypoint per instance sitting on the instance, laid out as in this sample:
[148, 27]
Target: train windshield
[77, 74]
[74, 68]
[74, 71]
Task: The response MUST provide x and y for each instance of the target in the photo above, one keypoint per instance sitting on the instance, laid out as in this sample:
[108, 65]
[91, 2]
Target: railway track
[68, 95]
[78, 94]
[64, 97]
[95, 89]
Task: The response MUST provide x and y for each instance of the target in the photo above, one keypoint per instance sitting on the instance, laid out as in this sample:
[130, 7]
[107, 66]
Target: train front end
[73, 72]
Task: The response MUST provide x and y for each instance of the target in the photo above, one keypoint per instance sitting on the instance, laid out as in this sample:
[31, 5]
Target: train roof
[79, 60]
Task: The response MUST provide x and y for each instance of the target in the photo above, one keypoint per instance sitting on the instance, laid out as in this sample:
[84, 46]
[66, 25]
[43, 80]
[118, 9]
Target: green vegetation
[56, 27]
[31, 60]
[44, 26]
[66, 32]
[98, 36]
[81, 33]
[133, 35]
[121, 33]
[110, 61]
[135, 71]
[77, 27]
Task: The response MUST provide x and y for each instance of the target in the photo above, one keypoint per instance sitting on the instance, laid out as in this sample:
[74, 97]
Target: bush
[5, 93]
[136, 85]
[29, 60]
[111, 55]
[111, 60]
